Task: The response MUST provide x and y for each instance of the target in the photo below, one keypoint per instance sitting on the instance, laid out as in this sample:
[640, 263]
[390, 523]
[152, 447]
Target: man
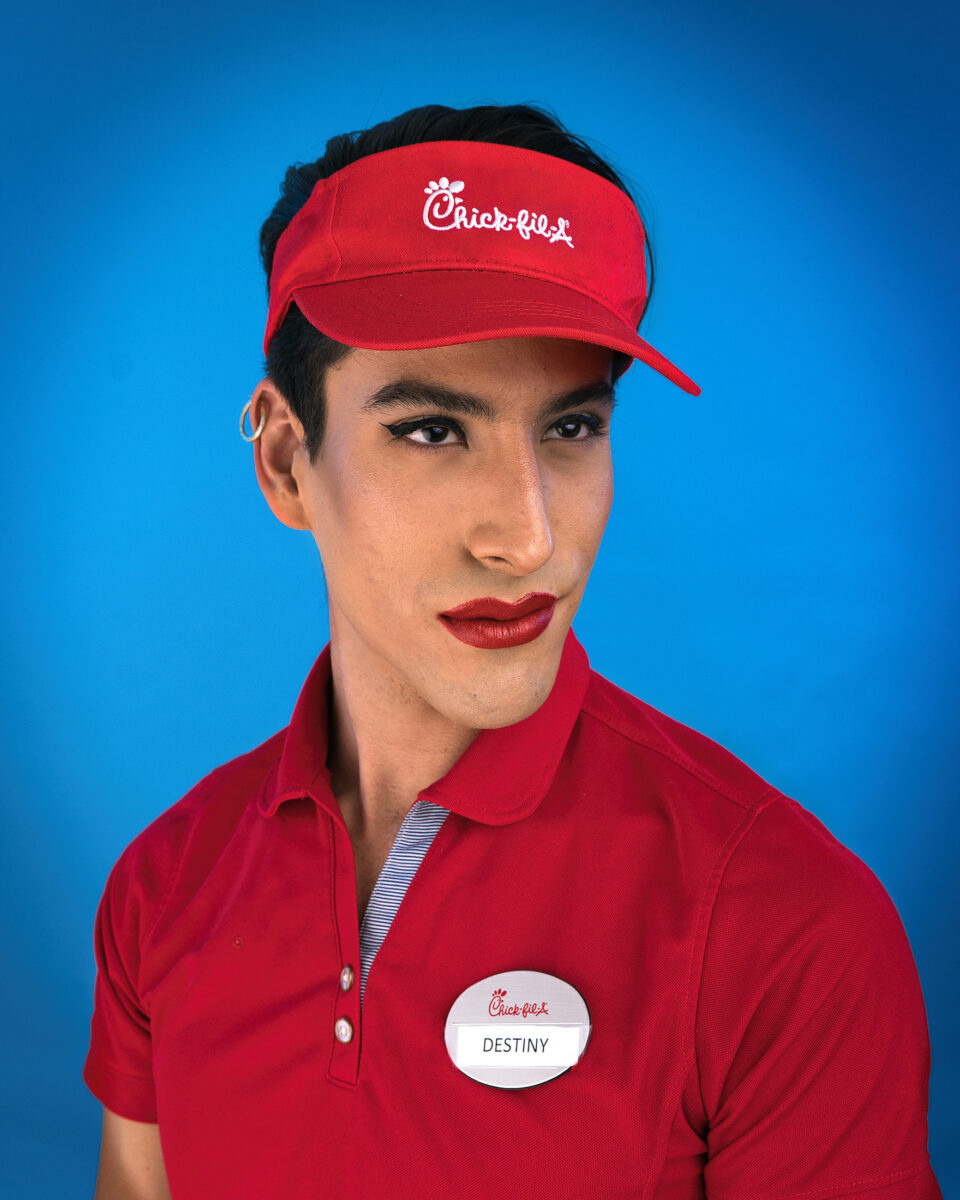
[478, 921]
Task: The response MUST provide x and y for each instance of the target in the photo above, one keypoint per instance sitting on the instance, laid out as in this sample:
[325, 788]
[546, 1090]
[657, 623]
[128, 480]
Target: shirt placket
[345, 1031]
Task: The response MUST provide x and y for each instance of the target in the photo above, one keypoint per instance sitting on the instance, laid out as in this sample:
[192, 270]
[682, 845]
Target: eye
[434, 432]
[436, 429]
[596, 426]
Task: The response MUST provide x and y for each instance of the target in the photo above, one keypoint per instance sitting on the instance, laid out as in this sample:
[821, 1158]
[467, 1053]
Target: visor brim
[417, 309]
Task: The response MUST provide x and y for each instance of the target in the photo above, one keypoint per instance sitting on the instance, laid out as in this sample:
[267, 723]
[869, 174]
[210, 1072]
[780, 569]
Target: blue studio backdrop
[790, 534]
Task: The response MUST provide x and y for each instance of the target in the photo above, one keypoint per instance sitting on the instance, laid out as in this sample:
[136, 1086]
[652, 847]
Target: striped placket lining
[419, 828]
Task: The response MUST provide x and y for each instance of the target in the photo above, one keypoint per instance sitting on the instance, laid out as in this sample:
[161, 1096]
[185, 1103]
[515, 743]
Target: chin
[506, 691]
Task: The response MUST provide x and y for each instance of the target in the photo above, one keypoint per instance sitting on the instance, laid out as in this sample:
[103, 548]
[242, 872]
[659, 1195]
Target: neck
[385, 742]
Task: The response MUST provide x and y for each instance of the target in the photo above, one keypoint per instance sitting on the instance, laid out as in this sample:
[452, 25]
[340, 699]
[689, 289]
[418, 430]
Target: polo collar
[500, 778]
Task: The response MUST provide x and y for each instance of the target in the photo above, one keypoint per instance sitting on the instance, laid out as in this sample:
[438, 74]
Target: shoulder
[792, 886]
[805, 951]
[778, 871]
[811, 1042]
[142, 875]
[670, 753]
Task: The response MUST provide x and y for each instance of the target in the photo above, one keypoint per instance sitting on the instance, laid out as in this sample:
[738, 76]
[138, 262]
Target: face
[419, 502]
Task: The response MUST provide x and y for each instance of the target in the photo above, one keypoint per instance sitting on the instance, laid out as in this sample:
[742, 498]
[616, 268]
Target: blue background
[790, 535]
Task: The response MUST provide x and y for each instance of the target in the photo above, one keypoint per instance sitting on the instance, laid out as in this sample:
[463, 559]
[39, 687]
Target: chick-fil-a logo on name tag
[498, 1007]
[444, 209]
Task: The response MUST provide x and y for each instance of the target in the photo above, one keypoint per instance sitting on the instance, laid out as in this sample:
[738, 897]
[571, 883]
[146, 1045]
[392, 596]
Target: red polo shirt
[758, 1027]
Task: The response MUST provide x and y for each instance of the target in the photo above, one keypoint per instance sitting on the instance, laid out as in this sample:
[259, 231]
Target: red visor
[459, 241]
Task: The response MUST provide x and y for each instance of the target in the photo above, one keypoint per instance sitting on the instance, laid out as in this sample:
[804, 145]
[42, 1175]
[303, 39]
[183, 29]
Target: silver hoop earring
[243, 416]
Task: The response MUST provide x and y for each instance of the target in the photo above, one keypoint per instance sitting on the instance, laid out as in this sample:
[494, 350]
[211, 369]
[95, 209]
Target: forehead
[500, 368]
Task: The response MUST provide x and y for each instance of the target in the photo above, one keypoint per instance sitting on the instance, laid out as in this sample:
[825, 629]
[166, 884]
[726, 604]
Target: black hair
[298, 353]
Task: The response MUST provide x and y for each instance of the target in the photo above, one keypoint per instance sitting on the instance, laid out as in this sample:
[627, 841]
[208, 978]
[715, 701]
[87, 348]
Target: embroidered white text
[444, 209]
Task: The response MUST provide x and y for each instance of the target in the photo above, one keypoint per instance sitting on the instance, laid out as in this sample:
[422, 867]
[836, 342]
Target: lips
[500, 610]
[491, 624]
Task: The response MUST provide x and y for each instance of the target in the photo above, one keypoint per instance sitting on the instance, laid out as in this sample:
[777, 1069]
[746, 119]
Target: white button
[346, 979]
[343, 1030]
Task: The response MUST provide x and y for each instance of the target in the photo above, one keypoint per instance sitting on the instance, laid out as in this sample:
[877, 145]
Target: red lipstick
[491, 624]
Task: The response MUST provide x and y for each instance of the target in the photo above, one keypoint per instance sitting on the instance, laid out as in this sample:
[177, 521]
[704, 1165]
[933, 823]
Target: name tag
[517, 1046]
[517, 1029]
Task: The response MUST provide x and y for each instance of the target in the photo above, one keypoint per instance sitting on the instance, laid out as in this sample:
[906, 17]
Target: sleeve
[811, 1039]
[119, 1064]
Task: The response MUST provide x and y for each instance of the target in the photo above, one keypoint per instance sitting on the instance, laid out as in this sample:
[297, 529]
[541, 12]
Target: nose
[509, 523]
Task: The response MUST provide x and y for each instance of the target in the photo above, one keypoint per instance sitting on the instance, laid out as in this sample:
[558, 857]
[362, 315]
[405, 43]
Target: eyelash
[596, 425]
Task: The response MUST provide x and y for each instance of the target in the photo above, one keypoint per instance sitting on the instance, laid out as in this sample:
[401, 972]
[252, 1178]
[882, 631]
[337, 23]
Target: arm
[131, 1162]
[119, 1065]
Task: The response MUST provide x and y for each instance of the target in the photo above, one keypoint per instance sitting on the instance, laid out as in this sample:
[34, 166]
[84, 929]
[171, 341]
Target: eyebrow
[416, 393]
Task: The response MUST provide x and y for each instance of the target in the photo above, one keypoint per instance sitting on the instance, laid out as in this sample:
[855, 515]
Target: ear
[274, 451]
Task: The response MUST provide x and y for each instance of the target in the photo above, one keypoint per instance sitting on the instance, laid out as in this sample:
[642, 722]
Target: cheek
[589, 501]
[373, 530]
[588, 516]
[608, 498]
[602, 492]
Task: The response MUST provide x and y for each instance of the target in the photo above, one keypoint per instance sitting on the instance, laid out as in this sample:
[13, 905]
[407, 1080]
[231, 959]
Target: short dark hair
[299, 354]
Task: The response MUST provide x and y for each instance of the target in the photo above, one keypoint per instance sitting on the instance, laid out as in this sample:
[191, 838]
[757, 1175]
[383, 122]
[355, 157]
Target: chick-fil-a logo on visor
[498, 1007]
[444, 209]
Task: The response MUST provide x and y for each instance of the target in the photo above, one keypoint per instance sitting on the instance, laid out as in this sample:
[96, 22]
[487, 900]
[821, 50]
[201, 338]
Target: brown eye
[431, 426]
[594, 424]
[442, 430]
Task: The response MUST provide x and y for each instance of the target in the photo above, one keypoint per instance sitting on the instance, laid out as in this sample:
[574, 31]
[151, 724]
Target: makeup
[491, 624]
